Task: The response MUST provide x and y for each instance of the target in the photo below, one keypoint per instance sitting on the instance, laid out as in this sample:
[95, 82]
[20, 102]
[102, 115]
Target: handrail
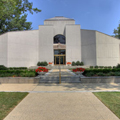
[59, 74]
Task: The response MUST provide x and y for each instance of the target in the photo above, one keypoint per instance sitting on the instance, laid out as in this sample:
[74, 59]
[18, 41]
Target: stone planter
[41, 73]
[79, 73]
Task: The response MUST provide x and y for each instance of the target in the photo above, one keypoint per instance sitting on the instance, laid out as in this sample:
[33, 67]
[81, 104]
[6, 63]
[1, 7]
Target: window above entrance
[59, 39]
[59, 52]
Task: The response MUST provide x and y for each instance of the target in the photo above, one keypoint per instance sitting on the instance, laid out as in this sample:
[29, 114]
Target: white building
[59, 41]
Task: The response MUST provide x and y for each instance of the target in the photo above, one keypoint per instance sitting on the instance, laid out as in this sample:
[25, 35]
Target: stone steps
[56, 80]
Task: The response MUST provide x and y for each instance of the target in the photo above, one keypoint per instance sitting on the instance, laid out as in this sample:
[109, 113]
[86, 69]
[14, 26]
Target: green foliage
[96, 66]
[2, 67]
[118, 66]
[82, 63]
[100, 74]
[78, 63]
[73, 63]
[117, 32]
[44, 63]
[17, 73]
[101, 67]
[13, 15]
[91, 66]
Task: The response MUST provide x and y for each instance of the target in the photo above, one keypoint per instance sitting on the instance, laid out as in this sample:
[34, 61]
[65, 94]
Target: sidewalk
[60, 102]
[61, 87]
[61, 106]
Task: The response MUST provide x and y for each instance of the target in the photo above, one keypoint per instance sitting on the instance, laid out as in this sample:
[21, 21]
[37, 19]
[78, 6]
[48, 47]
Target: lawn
[8, 100]
[111, 100]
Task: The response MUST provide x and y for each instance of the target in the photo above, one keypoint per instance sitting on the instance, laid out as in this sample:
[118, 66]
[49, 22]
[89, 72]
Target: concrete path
[61, 106]
[61, 87]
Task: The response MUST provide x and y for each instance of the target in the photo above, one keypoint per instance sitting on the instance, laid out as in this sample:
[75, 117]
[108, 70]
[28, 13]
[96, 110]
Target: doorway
[59, 60]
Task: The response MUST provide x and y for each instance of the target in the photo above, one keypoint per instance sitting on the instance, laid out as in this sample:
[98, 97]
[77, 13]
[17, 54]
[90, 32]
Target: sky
[100, 15]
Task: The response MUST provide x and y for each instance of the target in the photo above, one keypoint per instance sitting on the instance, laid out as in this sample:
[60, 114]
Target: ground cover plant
[8, 101]
[17, 73]
[111, 100]
[102, 72]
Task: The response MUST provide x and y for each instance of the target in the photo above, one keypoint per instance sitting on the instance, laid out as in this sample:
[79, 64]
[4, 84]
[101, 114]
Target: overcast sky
[100, 15]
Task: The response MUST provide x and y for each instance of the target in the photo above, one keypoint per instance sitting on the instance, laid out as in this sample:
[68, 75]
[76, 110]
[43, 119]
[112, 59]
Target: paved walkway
[60, 102]
[61, 106]
[64, 87]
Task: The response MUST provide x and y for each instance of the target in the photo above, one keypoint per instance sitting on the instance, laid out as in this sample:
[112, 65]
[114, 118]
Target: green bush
[118, 66]
[17, 68]
[114, 66]
[78, 63]
[89, 74]
[101, 67]
[105, 67]
[91, 66]
[17, 73]
[81, 63]
[44, 63]
[117, 73]
[96, 66]
[2, 67]
[100, 74]
[73, 63]
[109, 67]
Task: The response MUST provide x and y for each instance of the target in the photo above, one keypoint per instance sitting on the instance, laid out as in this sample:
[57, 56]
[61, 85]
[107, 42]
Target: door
[59, 59]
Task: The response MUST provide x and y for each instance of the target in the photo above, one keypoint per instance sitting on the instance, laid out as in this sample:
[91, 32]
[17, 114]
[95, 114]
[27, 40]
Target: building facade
[58, 41]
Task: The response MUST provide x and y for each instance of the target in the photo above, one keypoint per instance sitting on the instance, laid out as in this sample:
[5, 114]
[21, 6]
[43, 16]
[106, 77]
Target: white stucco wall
[23, 48]
[73, 43]
[46, 43]
[107, 49]
[59, 26]
[88, 45]
[3, 49]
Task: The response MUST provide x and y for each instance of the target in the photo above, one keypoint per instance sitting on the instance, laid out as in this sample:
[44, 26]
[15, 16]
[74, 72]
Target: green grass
[8, 100]
[111, 100]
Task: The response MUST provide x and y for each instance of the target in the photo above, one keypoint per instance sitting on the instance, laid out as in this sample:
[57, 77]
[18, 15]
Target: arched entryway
[59, 50]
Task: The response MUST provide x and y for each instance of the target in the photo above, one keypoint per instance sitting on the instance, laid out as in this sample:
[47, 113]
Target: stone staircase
[53, 77]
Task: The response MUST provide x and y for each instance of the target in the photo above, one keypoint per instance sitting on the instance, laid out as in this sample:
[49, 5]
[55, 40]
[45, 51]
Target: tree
[13, 15]
[117, 32]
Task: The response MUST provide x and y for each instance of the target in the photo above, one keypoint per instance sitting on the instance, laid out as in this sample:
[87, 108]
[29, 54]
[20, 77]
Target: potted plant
[41, 70]
[50, 63]
[69, 63]
[79, 71]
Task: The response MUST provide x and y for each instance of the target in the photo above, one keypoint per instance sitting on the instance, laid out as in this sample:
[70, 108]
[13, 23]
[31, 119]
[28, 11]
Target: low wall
[32, 80]
[19, 80]
[111, 79]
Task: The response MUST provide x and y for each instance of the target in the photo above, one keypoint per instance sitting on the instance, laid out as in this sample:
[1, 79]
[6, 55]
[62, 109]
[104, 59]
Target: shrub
[100, 74]
[73, 63]
[114, 66]
[101, 67]
[105, 67]
[81, 63]
[118, 66]
[117, 73]
[44, 63]
[89, 74]
[78, 63]
[2, 67]
[96, 66]
[91, 66]
[109, 67]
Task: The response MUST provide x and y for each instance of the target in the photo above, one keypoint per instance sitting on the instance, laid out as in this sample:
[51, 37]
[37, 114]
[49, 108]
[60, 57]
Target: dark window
[59, 39]
[59, 52]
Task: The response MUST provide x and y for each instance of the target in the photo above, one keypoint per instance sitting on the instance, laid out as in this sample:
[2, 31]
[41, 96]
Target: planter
[79, 73]
[41, 73]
